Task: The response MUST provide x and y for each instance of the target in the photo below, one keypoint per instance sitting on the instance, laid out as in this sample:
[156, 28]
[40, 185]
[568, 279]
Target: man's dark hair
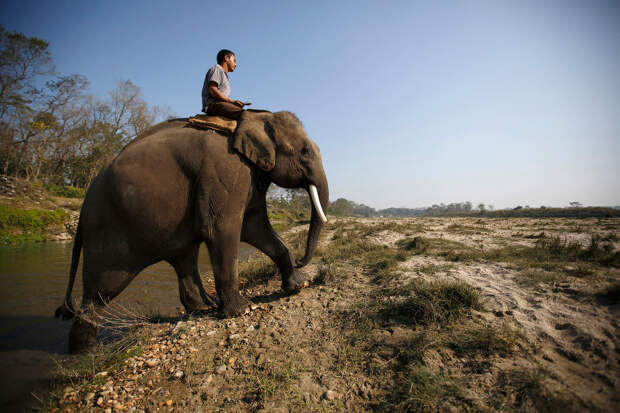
[221, 55]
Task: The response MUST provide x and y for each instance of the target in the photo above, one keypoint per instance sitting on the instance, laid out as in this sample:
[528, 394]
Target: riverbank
[31, 213]
[431, 314]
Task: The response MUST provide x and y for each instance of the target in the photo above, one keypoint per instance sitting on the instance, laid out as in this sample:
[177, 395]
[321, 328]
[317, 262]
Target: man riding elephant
[216, 88]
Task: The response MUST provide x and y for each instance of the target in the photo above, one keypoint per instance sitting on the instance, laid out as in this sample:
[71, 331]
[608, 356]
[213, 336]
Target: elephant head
[277, 143]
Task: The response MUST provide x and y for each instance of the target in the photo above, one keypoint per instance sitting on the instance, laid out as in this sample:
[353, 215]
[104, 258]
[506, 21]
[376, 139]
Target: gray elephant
[175, 187]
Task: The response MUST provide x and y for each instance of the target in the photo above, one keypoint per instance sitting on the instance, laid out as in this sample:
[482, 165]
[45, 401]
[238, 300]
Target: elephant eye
[305, 151]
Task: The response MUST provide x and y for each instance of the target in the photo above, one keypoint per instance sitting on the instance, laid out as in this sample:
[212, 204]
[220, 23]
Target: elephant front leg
[223, 250]
[257, 231]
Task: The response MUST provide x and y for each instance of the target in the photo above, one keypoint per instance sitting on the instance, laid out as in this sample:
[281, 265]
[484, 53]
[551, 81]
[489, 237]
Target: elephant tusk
[314, 195]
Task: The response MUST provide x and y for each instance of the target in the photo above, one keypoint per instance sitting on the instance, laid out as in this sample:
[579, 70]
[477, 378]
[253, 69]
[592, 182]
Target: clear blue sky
[412, 103]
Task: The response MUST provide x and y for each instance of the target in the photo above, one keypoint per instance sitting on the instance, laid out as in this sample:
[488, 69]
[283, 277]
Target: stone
[208, 380]
[261, 359]
[330, 395]
[152, 362]
[178, 374]
[221, 369]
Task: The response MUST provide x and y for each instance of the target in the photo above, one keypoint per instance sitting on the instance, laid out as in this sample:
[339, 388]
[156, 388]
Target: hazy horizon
[412, 103]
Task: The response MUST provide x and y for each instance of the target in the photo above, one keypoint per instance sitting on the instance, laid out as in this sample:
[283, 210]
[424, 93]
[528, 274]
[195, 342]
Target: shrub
[66, 191]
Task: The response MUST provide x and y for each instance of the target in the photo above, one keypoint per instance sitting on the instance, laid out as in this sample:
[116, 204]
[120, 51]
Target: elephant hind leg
[83, 336]
[99, 289]
[191, 292]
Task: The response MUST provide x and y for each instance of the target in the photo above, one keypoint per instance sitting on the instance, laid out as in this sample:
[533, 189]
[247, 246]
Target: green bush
[66, 191]
[18, 225]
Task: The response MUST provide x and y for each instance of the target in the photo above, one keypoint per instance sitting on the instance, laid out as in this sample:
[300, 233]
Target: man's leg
[229, 110]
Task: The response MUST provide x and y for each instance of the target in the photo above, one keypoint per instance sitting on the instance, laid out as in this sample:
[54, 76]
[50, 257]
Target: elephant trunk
[316, 220]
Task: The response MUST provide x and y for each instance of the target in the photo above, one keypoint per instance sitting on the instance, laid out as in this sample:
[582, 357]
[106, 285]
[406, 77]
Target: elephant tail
[66, 310]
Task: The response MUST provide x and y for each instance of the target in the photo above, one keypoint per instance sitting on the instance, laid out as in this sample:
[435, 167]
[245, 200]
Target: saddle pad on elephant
[217, 123]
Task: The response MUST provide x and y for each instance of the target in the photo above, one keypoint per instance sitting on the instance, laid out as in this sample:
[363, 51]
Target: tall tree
[22, 60]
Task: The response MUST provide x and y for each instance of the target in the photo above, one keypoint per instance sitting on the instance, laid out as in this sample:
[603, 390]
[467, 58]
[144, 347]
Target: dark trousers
[229, 110]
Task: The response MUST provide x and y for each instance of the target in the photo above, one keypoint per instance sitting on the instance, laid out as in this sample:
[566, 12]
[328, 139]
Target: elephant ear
[253, 139]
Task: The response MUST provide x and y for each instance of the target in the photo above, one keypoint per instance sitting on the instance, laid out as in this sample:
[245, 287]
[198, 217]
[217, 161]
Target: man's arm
[219, 96]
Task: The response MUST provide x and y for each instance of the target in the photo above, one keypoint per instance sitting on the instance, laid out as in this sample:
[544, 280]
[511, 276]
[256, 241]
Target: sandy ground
[294, 353]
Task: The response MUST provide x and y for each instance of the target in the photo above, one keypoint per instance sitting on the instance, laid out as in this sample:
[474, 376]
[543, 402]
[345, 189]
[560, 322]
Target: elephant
[173, 188]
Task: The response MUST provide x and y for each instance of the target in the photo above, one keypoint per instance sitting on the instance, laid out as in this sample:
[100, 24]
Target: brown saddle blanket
[218, 123]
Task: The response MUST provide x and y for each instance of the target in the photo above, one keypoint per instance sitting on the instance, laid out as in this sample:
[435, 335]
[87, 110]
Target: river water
[33, 281]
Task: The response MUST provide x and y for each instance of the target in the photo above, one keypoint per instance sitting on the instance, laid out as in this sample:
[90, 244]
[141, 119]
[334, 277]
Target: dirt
[297, 353]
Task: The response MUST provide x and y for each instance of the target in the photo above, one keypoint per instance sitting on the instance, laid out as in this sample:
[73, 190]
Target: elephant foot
[235, 306]
[82, 338]
[295, 282]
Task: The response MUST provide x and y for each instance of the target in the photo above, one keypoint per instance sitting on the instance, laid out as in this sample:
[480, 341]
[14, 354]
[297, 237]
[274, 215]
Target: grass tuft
[485, 341]
[424, 390]
[527, 391]
[257, 271]
[428, 303]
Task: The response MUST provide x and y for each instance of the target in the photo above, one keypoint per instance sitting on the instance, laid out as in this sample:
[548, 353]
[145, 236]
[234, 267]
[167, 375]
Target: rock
[89, 397]
[331, 395]
[178, 374]
[168, 402]
[221, 369]
[108, 410]
[208, 380]
[152, 362]
[249, 329]
[179, 325]
[210, 333]
[99, 401]
[101, 374]
[261, 359]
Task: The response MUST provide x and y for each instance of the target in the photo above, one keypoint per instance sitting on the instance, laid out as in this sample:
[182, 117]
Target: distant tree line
[51, 129]
[344, 207]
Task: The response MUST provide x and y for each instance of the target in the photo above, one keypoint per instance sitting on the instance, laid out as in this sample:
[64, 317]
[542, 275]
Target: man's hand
[238, 103]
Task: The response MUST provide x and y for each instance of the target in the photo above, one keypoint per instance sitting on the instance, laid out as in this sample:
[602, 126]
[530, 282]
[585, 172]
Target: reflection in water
[33, 281]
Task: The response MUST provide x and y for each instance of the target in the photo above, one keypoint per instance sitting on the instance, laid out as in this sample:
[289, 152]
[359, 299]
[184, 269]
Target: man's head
[227, 60]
